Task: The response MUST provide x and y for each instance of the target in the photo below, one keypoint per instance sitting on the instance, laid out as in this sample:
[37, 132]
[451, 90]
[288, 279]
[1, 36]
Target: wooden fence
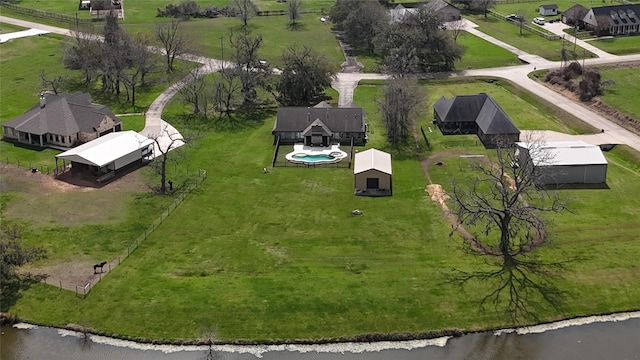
[525, 26]
[41, 14]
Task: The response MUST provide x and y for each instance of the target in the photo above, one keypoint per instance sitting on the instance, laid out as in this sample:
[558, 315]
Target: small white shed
[548, 10]
[372, 173]
[564, 162]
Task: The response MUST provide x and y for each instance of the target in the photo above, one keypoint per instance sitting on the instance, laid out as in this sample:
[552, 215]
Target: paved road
[345, 84]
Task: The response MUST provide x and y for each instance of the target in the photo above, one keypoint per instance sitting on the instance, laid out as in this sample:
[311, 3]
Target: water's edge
[365, 343]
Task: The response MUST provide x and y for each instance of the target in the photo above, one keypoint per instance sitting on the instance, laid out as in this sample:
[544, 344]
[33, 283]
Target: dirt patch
[438, 195]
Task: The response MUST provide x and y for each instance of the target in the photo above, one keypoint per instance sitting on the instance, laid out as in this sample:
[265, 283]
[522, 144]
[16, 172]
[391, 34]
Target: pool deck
[316, 150]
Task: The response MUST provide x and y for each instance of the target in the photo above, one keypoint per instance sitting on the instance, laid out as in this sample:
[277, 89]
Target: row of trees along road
[499, 213]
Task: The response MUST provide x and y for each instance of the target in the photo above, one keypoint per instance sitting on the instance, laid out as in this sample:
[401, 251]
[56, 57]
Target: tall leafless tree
[246, 10]
[502, 211]
[173, 40]
[252, 72]
[399, 106]
[83, 52]
[52, 84]
[294, 11]
[482, 6]
[521, 18]
[455, 29]
[194, 91]
[166, 141]
[142, 63]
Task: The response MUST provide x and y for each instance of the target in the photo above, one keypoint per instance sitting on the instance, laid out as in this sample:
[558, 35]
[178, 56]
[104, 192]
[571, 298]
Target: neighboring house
[574, 15]
[475, 114]
[613, 20]
[563, 162]
[101, 8]
[446, 11]
[372, 173]
[548, 10]
[320, 125]
[62, 121]
[106, 156]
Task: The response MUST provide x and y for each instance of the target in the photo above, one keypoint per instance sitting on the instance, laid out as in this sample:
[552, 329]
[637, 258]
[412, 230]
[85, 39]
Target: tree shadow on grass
[296, 27]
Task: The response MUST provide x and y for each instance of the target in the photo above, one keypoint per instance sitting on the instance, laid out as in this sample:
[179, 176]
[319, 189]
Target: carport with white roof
[109, 153]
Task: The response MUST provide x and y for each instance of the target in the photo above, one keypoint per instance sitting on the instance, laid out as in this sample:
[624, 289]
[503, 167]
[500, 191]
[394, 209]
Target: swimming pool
[315, 155]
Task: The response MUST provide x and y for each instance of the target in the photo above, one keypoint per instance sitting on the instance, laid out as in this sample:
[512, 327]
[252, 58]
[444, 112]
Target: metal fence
[280, 159]
[84, 289]
[30, 165]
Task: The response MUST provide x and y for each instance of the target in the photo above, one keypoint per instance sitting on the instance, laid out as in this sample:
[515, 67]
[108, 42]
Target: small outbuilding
[548, 10]
[372, 173]
[105, 156]
[563, 162]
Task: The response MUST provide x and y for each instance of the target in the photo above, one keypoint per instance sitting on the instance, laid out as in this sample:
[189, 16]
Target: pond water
[618, 337]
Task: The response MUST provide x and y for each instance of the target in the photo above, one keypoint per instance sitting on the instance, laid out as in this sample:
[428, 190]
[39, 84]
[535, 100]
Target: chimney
[43, 101]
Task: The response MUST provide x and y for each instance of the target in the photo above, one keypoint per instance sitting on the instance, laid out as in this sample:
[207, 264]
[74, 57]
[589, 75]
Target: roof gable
[65, 114]
[549, 7]
[617, 15]
[297, 119]
[492, 120]
[372, 159]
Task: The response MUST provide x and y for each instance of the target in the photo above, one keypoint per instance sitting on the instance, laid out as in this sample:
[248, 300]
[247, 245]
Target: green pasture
[618, 45]
[8, 28]
[527, 42]
[627, 87]
[479, 54]
[278, 255]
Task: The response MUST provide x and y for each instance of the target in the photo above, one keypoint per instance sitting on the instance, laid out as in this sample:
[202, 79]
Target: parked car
[538, 20]
[513, 17]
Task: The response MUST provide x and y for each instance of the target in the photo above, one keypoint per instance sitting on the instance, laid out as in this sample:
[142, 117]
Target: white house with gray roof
[61, 122]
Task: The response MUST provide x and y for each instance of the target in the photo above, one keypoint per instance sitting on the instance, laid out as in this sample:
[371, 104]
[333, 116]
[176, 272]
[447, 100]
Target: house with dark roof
[320, 125]
[613, 20]
[475, 114]
[548, 10]
[443, 9]
[574, 15]
[61, 122]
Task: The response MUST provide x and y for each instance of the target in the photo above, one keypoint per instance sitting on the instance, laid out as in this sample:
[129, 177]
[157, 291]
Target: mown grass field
[618, 45]
[527, 42]
[278, 255]
[627, 87]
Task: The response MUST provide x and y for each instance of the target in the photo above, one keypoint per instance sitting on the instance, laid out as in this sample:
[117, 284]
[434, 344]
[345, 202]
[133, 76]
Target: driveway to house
[558, 29]
[345, 84]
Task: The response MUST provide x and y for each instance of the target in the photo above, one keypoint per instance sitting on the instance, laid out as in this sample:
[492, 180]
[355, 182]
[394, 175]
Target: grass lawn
[9, 28]
[527, 42]
[618, 45]
[278, 256]
[480, 54]
[627, 86]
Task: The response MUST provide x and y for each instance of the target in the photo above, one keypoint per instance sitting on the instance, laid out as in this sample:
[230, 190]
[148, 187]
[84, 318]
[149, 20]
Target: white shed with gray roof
[372, 173]
[564, 162]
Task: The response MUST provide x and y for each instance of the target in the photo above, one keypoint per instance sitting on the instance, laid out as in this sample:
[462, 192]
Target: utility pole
[222, 46]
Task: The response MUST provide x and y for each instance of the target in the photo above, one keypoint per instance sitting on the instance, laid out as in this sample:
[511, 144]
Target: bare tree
[168, 140]
[252, 72]
[482, 6]
[194, 91]
[399, 106]
[226, 89]
[83, 53]
[246, 10]
[455, 29]
[521, 18]
[51, 84]
[501, 213]
[142, 63]
[294, 11]
[173, 41]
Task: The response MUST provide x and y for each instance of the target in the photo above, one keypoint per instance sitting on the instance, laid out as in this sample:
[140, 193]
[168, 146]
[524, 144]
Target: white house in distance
[548, 10]
[103, 157]
[372, 173]
[564, 162]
